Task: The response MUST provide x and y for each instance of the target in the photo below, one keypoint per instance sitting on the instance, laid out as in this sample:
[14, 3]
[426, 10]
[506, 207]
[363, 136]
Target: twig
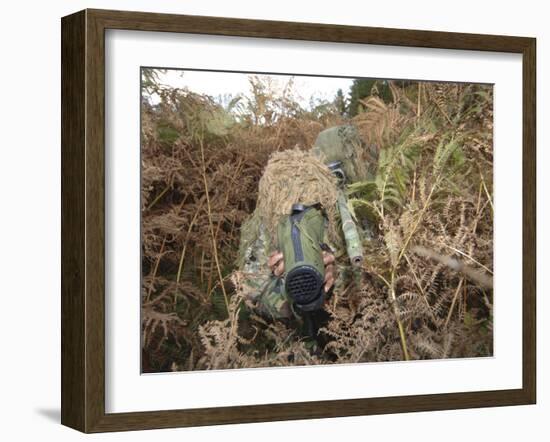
[399, 323]
[457, 291]
[158, 197]
[475, 275]
[151, 285]
[422, 292]
[214, 247]
[487, 192]
[469, 257]
[413, 186]
[191, 224]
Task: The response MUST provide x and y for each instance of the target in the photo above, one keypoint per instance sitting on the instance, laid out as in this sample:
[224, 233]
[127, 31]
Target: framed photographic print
[270, 220]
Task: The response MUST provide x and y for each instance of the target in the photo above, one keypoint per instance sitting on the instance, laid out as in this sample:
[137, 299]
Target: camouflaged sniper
[342, 149]
[342, 145]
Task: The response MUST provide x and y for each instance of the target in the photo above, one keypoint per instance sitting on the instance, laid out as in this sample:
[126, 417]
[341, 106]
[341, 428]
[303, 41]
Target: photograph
[294, 220]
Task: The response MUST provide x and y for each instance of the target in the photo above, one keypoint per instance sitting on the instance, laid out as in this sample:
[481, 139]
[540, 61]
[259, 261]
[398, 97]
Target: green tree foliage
[359, 89]
[340, 102]
[362, 88]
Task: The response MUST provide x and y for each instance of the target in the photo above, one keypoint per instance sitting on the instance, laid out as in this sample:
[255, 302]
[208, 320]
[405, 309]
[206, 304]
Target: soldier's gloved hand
[277, 265]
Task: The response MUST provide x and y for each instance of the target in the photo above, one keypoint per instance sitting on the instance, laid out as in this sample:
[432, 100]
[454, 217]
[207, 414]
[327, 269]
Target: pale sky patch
[217, 84]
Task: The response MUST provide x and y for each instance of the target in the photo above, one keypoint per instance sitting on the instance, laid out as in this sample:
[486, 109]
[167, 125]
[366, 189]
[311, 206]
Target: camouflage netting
[291, 177]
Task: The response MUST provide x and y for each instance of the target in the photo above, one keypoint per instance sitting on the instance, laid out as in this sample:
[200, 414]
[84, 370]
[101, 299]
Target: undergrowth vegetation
[425, 289]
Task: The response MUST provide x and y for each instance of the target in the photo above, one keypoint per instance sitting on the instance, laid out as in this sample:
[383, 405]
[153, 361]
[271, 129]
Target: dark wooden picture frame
[83, 220]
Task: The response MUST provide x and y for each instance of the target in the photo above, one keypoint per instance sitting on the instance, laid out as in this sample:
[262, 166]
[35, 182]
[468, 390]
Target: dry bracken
[425, 288]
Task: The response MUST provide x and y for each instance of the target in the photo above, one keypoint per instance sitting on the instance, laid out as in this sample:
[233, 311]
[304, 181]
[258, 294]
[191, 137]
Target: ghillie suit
[343, 144]
[306, 178]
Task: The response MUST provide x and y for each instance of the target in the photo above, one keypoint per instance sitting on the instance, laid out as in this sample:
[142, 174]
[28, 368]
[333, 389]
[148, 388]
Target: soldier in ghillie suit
[302, 243]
